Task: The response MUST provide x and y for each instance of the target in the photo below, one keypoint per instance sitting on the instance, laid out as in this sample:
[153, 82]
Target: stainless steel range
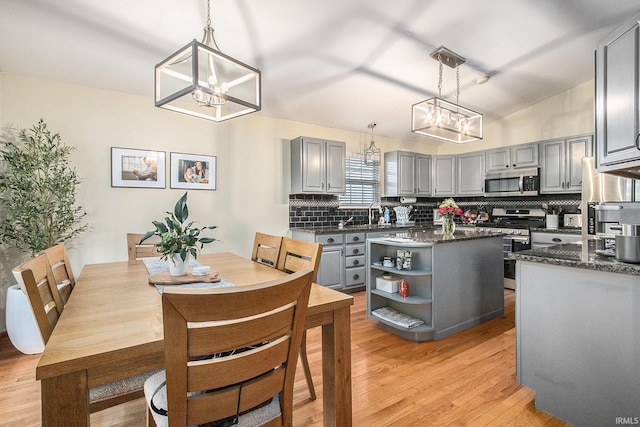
[515, 225]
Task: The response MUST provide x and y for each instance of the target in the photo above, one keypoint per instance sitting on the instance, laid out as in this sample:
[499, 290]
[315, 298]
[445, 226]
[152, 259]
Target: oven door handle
[520, 239]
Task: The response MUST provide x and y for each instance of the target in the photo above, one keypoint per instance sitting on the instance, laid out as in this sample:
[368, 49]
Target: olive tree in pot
[37, 210]
[179, 239]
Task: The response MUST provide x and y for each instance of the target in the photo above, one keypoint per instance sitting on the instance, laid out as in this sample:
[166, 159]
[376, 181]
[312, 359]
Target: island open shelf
[454, 283]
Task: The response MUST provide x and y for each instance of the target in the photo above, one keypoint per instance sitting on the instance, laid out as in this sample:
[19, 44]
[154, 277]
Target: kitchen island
[455, 282]
[578, 333]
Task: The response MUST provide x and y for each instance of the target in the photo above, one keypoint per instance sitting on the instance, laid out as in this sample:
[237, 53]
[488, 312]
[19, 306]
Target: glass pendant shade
[445, 120]
[201, 81]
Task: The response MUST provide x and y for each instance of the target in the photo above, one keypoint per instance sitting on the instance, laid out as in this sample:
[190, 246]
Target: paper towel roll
[408, 199]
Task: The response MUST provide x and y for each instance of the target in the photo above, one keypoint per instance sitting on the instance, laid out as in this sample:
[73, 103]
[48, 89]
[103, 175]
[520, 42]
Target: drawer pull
[356, 276]
[557, 239]
[355, 239]
[356, 251]
[356, 262]
[330, 240]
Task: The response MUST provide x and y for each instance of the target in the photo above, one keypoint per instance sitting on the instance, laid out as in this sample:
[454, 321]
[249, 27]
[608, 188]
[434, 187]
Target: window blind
[362, 183]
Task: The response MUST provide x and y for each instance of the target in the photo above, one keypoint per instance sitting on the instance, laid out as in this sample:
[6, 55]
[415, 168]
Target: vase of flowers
[179, 239]
[448, 209]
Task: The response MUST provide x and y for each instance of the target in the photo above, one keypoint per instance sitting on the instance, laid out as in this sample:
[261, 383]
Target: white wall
[249, 150]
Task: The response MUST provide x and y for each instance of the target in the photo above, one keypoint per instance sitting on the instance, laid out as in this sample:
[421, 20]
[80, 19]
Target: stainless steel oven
[515, 226]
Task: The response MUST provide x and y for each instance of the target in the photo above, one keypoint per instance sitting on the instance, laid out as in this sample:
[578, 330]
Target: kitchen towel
[408, 199]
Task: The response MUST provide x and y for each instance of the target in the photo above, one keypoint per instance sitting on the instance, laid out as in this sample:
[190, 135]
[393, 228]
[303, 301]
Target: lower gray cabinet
[330, 271]
[355, 254]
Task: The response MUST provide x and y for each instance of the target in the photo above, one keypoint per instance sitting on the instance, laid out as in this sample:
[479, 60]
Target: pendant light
[372, 154]
[201, 81]
[442, 119]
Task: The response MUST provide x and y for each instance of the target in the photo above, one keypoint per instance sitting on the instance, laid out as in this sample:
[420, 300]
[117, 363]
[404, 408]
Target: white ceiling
[335, 63]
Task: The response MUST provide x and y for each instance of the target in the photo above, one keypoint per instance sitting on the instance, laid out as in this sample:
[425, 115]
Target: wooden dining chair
[137, 250]
[61, 269]
[266, 249]
[296, 255]
[37, 279]
[230, 353]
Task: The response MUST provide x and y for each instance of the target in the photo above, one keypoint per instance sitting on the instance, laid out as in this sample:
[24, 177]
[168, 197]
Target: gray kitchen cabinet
[354, 261]
[407, 174]
[330, 271]
[561, 166]
[514, 157]
[618, 99]
[540, 239]
[470, 177]
[444, 176]
[317, 166]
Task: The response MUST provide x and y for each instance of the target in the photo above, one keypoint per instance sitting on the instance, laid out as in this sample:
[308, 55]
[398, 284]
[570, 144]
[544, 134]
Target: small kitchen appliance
[617, 229]
[628, 244]
[572, 220]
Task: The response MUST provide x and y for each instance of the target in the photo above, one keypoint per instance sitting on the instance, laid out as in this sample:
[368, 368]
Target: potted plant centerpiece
[37, 210]
[179, 239]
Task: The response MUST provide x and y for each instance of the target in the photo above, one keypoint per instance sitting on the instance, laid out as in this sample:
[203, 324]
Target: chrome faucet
[342, 223]
[371, 206]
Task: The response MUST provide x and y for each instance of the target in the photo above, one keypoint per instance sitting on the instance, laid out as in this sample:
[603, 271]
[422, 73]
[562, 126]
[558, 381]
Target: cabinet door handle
[563, 185]
[356, 276]
[638, 141]
[356, 251]
[322, 185]
[330, 240]
[514, 165]
[356, 262]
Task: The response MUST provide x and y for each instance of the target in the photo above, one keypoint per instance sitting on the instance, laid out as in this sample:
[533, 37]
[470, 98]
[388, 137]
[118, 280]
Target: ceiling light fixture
[442, 119]
[201, 81]
[372, 154]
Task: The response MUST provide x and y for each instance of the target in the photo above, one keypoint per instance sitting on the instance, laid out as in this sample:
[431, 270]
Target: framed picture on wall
[138, 168]
[193, 171]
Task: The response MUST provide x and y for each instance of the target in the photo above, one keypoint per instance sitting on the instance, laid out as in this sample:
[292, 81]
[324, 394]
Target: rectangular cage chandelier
[441, 119]
[201, 81]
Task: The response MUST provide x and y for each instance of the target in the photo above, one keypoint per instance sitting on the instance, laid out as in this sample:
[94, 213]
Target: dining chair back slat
[296, 254]
[137, 250]
[266, 249]
[229, 350]
[36, 278]
[61, 269]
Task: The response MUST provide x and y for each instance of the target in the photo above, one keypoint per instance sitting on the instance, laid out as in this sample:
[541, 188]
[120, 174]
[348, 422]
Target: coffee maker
[617, 228]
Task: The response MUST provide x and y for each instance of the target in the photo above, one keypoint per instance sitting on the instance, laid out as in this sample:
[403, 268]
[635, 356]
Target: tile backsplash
[306, 211]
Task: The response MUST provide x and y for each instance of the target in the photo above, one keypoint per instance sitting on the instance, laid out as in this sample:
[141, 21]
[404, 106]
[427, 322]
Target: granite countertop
[561, 230]
[356, 228]
[434, 235]
[579, 255]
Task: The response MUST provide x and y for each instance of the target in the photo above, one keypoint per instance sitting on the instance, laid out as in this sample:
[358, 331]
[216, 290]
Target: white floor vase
[21, 324]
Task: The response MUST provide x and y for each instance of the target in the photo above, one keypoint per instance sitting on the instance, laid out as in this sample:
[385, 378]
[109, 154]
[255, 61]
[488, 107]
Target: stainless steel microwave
[517, 182]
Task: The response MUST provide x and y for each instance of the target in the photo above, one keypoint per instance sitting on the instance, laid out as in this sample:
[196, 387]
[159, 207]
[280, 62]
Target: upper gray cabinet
[470, 174]
[506, 158]
[317, 166]
[617, 100]
[407, 174]
[444, 176]
[561, 169]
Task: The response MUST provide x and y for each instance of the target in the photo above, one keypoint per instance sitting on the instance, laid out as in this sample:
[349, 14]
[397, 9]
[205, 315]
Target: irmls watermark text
[627, 421]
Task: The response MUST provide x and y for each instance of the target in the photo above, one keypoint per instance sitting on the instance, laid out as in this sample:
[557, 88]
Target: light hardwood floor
[465, 380]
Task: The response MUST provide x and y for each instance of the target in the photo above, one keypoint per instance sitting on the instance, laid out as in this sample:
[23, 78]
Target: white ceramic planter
[177, 267]
[21, 324]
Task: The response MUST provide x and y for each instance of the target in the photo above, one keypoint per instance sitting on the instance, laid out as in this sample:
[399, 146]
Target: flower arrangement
[449, 208]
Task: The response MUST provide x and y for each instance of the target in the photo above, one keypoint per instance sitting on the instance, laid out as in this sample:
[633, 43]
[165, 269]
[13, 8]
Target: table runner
[156, 265]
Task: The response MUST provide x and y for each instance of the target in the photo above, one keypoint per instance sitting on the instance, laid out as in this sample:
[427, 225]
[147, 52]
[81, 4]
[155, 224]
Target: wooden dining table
[111, 328]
